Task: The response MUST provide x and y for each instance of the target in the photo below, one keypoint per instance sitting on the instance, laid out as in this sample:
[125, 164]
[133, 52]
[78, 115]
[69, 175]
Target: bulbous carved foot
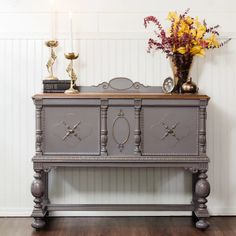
[38, 223]
[202, 224]
[202, 191]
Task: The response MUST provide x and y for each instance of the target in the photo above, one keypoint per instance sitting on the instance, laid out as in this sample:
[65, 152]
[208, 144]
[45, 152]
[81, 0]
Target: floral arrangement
[186, 35]
[185, 38]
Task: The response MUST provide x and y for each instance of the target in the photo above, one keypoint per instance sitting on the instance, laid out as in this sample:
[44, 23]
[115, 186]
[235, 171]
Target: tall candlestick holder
[71, 72]
[51, 44]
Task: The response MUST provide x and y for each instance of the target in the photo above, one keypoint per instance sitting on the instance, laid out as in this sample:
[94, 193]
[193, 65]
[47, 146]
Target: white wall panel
[37, 25]
[107, 6]
[110, 45]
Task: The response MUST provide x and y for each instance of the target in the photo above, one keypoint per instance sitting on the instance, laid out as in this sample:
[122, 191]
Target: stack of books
[55, 86]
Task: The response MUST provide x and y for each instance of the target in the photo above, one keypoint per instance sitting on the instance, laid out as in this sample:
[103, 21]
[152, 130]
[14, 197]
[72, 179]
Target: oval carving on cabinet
[121, 83]
[121, 130]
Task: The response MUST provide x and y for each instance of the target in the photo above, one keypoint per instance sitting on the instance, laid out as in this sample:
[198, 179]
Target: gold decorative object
[189, 86]
[51, 44]
[70, 70]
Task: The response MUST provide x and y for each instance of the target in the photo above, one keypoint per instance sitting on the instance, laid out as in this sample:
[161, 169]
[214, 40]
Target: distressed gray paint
[145, 146]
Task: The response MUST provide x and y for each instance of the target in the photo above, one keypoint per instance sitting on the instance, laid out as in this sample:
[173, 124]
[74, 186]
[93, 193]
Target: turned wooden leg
[37, 190]
[202, 191]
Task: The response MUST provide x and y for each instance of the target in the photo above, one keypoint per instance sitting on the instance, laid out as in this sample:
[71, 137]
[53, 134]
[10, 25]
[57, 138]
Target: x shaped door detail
[170, 131]
[71, 131]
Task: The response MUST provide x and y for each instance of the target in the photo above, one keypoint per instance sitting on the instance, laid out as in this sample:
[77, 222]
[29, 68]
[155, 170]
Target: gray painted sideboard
[121, 124]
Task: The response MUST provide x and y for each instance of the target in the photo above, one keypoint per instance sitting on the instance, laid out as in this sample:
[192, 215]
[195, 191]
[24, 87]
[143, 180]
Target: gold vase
[181, 65]
[189, 86]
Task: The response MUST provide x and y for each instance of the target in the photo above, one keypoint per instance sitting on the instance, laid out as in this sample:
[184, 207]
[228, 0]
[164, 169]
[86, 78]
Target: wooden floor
[116, 226]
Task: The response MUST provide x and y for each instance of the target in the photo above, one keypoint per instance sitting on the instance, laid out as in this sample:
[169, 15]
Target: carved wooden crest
[121, 84]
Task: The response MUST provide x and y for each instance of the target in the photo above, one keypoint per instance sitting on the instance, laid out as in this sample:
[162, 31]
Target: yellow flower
[193, 32]
[201, 30]
[213, 42]
[194, 42]
[196, 22]
[197, 50]
[172, 15]
[184, 27]
[181, 50]
[189, 20]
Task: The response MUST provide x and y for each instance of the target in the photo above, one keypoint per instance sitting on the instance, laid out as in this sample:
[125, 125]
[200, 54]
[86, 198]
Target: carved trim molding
[202, 162]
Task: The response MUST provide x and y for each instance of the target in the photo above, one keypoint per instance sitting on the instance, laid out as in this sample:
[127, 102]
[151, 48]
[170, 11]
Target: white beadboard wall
[110, 38]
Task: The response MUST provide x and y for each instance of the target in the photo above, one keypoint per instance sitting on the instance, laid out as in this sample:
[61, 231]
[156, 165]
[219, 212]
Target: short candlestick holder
[51, 44]
[71, 72]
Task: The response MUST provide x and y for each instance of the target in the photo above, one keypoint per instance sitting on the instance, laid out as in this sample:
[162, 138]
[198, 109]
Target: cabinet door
[170, 131]
[71, 130]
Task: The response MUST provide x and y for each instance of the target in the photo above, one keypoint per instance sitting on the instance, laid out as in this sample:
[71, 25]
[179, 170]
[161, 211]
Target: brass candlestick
[70, 70]
[51, 44]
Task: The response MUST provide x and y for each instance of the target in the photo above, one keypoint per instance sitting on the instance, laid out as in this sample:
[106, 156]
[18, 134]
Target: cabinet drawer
[71, 130]
[170, 131]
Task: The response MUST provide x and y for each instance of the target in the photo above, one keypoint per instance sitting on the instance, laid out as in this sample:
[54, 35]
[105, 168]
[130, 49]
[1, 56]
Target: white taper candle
[53, 20]
[71, 31]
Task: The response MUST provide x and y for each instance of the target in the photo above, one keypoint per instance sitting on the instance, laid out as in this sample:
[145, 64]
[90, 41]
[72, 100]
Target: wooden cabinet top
[125, 95]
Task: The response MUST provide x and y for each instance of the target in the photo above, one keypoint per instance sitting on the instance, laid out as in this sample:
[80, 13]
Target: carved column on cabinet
[104, 132]
[38, 144]
[37, 190]
[137, 130]
[202, 128]
[202, 191]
